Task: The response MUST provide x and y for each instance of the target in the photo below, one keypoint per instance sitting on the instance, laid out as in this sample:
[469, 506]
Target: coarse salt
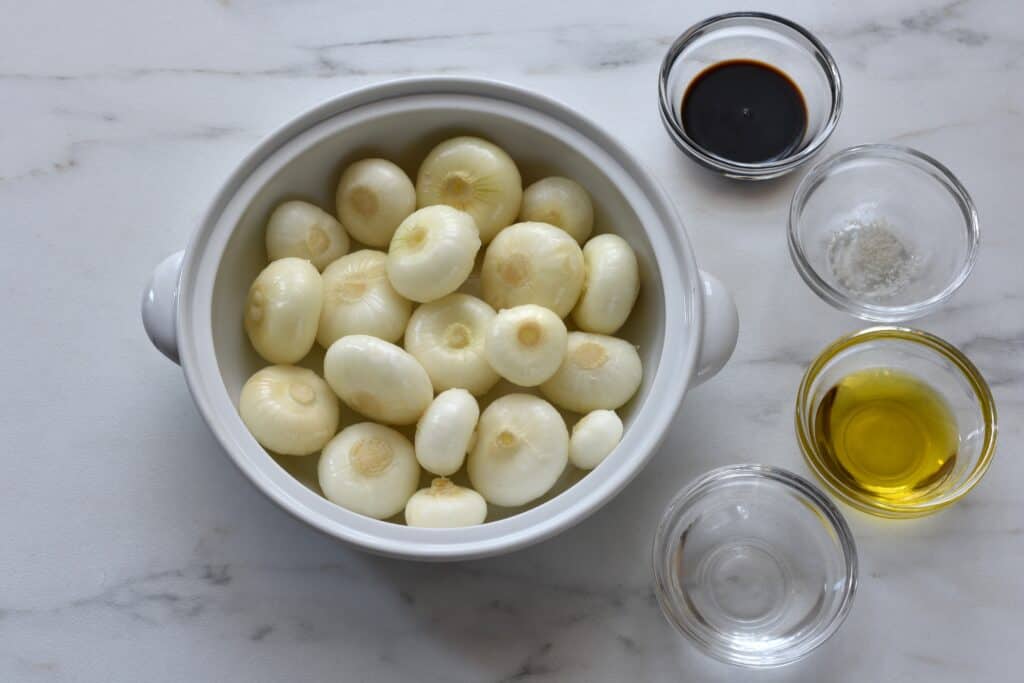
[870, 261]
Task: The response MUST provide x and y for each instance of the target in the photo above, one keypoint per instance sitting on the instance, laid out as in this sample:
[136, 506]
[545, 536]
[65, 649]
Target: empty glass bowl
[754, 565]
[925, 230]
[935, 362]
[758, 37]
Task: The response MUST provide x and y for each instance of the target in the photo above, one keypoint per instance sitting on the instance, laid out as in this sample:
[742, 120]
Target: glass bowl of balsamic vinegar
[749, 95]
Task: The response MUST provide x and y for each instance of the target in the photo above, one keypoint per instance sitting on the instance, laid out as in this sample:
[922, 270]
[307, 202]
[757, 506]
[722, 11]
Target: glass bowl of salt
[883, 232]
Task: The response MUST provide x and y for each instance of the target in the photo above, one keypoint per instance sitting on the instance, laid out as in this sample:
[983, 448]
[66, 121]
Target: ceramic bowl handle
[160, 305]
[721, 327]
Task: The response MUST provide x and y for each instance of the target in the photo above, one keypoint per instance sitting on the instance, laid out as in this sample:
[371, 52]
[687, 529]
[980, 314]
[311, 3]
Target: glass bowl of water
[754, 565]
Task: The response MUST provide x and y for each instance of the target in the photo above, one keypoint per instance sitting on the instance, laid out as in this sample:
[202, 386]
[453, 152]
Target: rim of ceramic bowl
[682, 319]
[764, 170]
[904, 155]
[962, 363]
[661, 558]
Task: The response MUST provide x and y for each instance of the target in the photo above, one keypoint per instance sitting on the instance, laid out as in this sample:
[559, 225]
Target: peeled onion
[522, 448]
[526, 344]
[369, 469]
[432, 253]
[447, 337]
[599, 372]
[359, 299]
[533, 263]
[377, 379]
[282, 310]
[289, 410]
[611, 286]
[593, 438]
[373, 197]
[445, 432]
[473, 175]
[445, 506]
[560, 202]
[300, 229]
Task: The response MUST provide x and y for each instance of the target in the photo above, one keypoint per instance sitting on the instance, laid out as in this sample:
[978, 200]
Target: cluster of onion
[357, 305]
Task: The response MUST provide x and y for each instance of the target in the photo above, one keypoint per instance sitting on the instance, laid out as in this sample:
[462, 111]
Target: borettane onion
[611, 286]
[447, 337]
[300, 229]
[526, 344]
[593, 438]
[289, 410]
[560, 202]
[378, 379]
[473, 175]
[445, 505]
[533, 263]
[599, 372]
[432, 253]
[444, 434]
[282, 310]
[359, 299]
[373, 197]
[370, 469]
[522, 448]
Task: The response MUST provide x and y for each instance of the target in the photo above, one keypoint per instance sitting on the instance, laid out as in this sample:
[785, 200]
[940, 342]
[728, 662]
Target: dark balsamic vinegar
[744, 111]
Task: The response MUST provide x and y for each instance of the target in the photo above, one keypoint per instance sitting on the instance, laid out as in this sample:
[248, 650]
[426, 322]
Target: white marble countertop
[132, 549]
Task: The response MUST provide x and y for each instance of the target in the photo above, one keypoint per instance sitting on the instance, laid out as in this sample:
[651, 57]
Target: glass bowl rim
[904, 156]
[809, 495]
[967, 369]
[760, 170]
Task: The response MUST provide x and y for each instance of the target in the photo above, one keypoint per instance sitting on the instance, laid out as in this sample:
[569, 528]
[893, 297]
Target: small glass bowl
[930, 359]
[754, 565]
[760, 37]
[918, 199]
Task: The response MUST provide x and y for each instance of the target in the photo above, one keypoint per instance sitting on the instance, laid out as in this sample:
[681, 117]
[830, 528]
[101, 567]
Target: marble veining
[132, 548]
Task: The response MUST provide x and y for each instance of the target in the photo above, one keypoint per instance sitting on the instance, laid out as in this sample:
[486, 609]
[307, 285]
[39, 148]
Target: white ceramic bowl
[685, 323]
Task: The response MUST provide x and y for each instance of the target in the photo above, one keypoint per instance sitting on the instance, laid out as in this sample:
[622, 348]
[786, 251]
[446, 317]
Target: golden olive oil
[887, 434]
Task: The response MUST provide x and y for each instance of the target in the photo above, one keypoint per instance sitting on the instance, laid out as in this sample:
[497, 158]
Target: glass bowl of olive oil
[896, 422]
